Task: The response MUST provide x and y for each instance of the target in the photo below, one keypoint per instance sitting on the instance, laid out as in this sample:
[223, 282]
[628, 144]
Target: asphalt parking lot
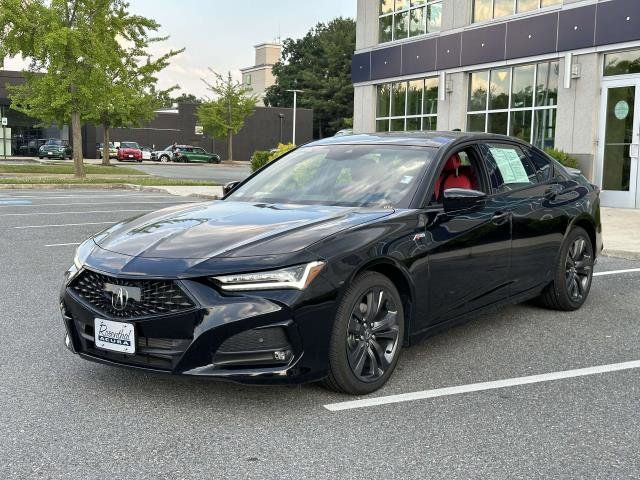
[63, 417]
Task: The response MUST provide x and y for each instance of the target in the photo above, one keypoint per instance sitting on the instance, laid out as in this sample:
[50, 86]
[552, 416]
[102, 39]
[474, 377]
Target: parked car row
[184, 154]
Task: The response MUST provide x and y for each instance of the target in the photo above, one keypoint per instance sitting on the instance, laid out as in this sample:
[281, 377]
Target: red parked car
[129, 152]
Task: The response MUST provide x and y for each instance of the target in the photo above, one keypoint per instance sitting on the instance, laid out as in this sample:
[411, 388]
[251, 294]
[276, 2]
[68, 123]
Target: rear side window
[543, 166]
[508, 167]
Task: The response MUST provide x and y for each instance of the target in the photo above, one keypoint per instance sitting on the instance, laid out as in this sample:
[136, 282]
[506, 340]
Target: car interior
[459, 171]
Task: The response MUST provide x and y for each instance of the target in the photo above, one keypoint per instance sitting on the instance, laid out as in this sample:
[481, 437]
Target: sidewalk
[621, 232]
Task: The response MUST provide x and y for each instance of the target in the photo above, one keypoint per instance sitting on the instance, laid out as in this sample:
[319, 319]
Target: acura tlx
[326, 263]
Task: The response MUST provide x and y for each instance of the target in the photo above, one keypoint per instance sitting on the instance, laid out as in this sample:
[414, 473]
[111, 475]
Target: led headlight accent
[298, 277]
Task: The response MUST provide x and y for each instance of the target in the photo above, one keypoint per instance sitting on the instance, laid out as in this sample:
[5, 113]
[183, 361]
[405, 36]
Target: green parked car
[188, 154]
[55, 149]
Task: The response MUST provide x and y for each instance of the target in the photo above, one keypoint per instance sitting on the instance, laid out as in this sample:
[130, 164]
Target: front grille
[157, 297]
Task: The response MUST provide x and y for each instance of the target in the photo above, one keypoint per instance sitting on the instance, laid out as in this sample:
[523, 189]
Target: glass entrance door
[619, 145]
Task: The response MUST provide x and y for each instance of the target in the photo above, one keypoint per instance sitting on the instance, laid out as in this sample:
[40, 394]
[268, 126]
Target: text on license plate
[114, 336]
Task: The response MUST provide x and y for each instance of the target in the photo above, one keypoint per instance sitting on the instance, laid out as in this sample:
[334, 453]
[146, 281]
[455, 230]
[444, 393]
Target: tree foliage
[225, 113]
[320, 64]
[75, 46]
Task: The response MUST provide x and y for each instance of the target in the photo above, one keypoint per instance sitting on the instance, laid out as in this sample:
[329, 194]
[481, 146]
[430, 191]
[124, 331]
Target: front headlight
[297, 277]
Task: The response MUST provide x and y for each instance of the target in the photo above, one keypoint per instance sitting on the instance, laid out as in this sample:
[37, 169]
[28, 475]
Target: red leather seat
[453, 175]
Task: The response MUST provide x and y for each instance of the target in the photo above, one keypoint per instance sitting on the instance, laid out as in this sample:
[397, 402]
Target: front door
[619, 145]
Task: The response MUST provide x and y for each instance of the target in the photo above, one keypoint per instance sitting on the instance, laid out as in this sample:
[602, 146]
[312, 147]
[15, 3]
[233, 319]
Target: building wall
[585, 28]
[261, 132]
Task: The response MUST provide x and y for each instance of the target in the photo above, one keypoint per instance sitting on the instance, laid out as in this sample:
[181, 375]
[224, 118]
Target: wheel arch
[587, 223]
[391, 269]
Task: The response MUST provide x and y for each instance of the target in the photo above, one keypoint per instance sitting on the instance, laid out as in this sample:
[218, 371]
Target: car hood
[230, 229]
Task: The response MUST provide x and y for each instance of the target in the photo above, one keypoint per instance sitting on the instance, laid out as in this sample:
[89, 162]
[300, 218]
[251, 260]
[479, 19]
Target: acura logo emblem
[119, 299]
[120, 295]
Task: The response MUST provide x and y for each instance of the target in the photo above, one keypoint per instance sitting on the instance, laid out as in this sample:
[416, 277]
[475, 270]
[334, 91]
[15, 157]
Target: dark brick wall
[261, 132]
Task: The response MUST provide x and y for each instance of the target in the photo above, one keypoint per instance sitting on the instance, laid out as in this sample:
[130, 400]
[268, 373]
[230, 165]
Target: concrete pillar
[578, 112]
[452, 111]
[367, 24]
[364, 114]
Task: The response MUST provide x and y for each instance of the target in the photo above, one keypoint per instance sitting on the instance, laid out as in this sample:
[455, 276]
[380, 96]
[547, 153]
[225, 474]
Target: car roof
[435, 139]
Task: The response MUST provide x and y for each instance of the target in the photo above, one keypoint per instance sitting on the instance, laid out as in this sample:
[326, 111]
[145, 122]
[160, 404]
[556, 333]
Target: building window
[484, 10]
[407, 106]
[408, 18]
[247, 79]
[622, 63]
[518, 101]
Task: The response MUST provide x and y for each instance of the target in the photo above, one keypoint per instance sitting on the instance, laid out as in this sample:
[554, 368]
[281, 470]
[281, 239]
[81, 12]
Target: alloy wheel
[579, 269]
[372, 334]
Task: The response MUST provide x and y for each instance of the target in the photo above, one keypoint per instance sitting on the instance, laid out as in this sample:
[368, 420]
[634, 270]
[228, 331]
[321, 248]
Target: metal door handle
[500, 218]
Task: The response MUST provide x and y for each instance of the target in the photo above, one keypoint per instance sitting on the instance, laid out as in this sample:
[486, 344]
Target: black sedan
[324, 264]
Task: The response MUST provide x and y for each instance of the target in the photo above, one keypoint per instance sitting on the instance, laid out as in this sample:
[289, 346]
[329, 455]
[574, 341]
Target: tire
[40, 158]
[359, 362]
[164, 159]
[574, 273]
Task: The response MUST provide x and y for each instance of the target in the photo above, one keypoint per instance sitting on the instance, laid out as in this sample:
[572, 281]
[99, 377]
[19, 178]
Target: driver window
[460, 170]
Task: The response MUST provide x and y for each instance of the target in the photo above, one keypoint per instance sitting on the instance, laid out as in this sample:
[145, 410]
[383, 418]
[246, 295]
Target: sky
[221, 34]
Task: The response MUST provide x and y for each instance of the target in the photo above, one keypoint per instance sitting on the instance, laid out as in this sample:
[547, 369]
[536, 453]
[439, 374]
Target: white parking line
[62, 244]
[66, 225]
[87, 195]
[616, 272]
[478, 387]
[70, 213]
[133, 202]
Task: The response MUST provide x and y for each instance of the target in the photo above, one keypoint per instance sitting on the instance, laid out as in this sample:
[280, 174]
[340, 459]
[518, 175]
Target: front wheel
[574, 273]
[367, 336]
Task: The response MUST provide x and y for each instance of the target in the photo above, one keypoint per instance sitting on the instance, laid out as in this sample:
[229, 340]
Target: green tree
[225, 114]
[320, 64]
[129, 100]
[186, 98]
[72, 45]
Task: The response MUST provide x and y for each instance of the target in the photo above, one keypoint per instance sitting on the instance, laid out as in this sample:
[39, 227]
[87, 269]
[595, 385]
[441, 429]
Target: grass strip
[68, 169]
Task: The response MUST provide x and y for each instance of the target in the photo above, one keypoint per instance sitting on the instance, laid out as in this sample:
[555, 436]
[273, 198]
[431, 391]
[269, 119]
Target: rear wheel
[367, 336]
[574, 273]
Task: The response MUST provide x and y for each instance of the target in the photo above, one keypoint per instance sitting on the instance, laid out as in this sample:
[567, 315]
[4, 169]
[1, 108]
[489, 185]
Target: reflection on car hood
[230, 229]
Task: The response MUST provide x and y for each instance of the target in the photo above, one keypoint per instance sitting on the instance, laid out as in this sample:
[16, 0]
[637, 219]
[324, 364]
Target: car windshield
[54, 142]
[343, 175]
[129, 145]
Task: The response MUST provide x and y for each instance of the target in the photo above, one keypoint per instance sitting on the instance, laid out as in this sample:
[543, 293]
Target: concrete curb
[627, 255]
[101, 186]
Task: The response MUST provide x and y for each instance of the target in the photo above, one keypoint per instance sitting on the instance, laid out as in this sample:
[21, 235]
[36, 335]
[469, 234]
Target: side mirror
[457, 199]
[229, 187]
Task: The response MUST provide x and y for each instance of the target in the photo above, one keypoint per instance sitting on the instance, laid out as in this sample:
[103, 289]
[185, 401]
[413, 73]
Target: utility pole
[295, 106]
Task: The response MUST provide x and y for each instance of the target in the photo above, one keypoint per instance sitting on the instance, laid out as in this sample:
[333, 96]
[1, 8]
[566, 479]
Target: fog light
[280, 355]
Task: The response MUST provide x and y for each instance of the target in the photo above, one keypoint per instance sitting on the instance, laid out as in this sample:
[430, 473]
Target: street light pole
[295, 106]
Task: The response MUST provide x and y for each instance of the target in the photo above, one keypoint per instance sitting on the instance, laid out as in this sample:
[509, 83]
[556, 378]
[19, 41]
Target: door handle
[500, 218]
[552, 192]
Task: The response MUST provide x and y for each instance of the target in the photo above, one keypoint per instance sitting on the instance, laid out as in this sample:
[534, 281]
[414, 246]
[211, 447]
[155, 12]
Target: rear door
[525, 184]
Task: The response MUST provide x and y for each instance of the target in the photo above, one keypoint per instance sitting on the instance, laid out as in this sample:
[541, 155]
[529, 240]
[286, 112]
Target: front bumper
[220, 337]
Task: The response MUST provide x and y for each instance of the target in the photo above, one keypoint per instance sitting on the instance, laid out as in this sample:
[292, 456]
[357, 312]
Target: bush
[563, 157]
[259, 159]
[280, 150]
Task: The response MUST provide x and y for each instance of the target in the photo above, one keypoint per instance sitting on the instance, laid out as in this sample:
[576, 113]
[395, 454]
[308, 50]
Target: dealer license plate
[130, 156]
[114, 336]
[49, 153]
